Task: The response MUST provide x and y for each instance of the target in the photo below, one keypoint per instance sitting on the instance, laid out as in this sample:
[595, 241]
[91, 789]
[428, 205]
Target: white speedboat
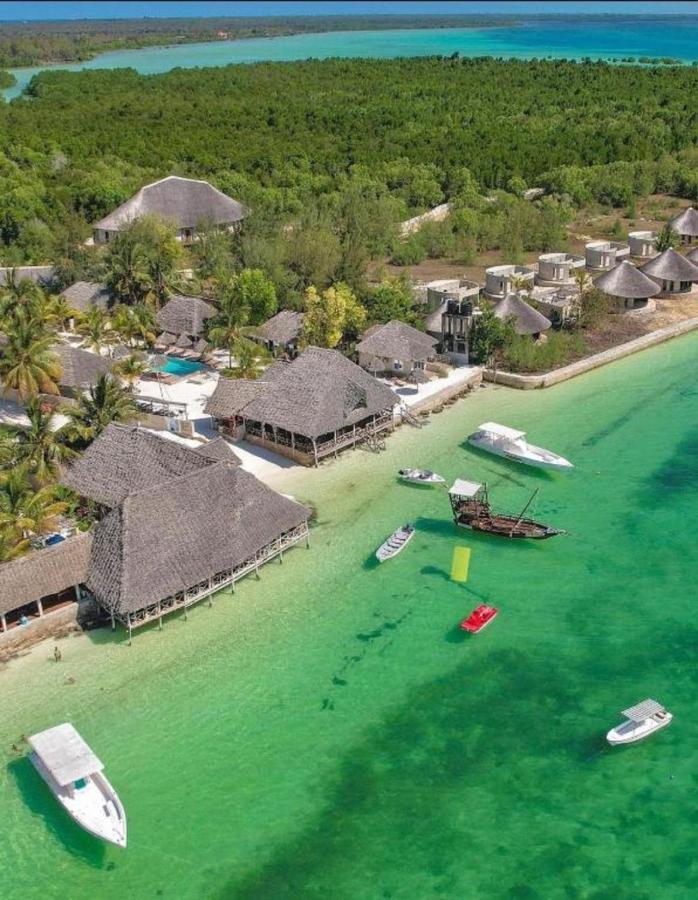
[640, 722]
[397, 541]
[420, 476]
[512, 444]
[74, 775]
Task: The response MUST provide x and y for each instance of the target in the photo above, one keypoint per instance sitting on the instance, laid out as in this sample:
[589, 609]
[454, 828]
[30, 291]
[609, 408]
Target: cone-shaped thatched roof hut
[686, 223]
[184, 315]
[671, 266]
[526, 319]
[625, 280]
[693, 256]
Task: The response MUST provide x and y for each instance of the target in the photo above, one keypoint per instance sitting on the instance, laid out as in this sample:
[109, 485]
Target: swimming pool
[180, 367]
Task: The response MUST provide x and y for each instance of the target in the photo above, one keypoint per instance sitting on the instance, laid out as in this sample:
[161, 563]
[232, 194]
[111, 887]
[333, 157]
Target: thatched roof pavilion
[686, 225]
[308, 408]
[178, 523]
[526, 319]
[628, 284]
[183, 202]
[183, 315]
[82, 295]
[672, 272]
[396, 346]
[282, 331]
[43, 573]
[80, 369]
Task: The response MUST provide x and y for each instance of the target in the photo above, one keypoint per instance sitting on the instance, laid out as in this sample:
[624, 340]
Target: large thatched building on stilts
[175, 525]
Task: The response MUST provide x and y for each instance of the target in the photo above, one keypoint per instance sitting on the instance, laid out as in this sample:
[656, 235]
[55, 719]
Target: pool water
[180, 367]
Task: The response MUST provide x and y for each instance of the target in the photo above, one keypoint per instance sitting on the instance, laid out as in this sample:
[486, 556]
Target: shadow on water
[38, 798]
[677, 475]
[511, 468]
[456, 635]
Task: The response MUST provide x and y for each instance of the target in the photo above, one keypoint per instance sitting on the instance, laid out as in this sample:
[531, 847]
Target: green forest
[320, 144]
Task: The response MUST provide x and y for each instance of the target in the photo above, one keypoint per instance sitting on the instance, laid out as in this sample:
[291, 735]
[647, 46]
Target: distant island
[78, 40]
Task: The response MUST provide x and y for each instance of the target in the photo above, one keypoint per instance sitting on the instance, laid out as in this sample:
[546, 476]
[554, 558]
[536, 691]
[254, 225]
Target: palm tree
[127, 269]
[39, 447]
[97, 329]
[135, 323]
[104, 403]
[59, 312]
[25, 510]
[227, 328]
[11, 546]
[251, 359]
[130, 369]
[20, 297]
[28, 364]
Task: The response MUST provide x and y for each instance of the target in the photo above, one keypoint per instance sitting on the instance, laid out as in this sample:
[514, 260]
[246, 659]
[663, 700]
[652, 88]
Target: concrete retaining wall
[451, 392]
[531, 382]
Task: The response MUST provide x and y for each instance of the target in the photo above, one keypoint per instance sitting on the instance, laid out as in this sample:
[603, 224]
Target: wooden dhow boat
[471, 509]
[397, 542]
[75, 777]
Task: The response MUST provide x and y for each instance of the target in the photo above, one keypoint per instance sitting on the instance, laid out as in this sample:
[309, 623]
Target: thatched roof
[184, 342]
[165, 339]
[185, 202]
[671, 266]
[184, 315]
[83, 294]
[127, 459]
[319, 392]
[44, 572]
[686, 222]
[396, 340]
[80, 368]
[625, 280]
[283, 328]
[42, 275]
[693, 256]
[219, 449]
[527, 320]
[201, 346]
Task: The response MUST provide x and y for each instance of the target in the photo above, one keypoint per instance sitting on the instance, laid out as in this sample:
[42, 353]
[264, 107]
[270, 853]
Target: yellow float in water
[460, 564]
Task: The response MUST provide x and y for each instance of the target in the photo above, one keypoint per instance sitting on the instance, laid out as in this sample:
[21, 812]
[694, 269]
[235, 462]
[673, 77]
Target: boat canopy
[501, 430]
[464, 488]
[64, 753]
[643, 710]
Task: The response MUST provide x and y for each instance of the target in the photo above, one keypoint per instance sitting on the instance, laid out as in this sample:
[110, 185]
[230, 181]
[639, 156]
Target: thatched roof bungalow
[80, 369]
[525, 319]
[395, 348]
[306, 409]
[686, 225]
[628, 286]
[32, 583]
[282, 332]
[177, 524]
[183, 202]
[83, 295]
[183, 315]
[672, 272]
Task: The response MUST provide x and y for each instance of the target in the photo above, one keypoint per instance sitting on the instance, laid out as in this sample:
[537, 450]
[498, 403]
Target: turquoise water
[328, 731]
[569, 38]
[175, 366]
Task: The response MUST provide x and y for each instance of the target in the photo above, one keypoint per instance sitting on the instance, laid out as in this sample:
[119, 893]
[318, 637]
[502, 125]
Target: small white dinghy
[512, 444]
[397, 541]
[640, 722]
[420, 476]
[74, 775]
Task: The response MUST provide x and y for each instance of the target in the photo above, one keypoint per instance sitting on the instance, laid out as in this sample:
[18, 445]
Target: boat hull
[96, 808]
[553, 463]
[401, 539]
[623, 734]
[477, 621]
[540, 533]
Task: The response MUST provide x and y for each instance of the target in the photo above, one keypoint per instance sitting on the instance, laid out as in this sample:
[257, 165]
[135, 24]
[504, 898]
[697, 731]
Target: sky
[42, 9]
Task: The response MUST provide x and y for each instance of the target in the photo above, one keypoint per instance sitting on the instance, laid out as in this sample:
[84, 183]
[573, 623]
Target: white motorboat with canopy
[640, 722]
[397, 541]
[74, 775]
[420, 476]
[512, 444]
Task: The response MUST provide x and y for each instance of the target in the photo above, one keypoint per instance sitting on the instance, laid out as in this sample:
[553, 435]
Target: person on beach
[57, 655]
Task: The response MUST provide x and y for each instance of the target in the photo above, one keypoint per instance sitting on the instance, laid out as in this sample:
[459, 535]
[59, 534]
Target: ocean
[328, 732]
[555, 37]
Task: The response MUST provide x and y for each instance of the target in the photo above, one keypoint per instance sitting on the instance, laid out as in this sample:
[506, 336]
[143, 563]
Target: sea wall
[446, 395]
[57, 623]
[548, 379]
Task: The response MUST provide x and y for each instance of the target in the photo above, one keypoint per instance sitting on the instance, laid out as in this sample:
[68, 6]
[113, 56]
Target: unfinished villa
[308, 409]
[174, 525]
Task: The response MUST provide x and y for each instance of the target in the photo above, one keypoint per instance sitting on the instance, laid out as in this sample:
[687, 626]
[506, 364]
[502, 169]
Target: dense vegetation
[295, 140]
[34, 43]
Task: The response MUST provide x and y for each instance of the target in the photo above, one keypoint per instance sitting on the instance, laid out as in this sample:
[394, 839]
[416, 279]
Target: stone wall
[532, 382]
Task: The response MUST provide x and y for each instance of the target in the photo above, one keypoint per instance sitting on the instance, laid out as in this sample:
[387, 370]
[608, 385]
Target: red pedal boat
[479, 618]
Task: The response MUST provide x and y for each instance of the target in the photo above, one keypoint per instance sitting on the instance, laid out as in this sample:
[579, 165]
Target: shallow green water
[327, 731]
